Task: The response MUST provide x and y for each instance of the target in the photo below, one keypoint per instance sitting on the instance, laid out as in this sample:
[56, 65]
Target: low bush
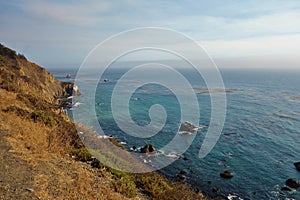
[124, 183]
[82, 154]
[126, 186]
[152, 184]
[44, 117]
[33, 101]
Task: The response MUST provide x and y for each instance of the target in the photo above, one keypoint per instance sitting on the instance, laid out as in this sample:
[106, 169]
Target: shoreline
[178, 178]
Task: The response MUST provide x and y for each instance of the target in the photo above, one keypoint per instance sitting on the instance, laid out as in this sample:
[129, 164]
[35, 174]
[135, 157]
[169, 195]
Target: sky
[234, 33]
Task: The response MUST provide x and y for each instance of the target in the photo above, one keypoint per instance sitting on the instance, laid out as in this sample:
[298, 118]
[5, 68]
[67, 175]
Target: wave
[233, 197]
[284, 116]
[169, 154]
[104, 136]
[216, 90]
[295, 98]
[76, 104]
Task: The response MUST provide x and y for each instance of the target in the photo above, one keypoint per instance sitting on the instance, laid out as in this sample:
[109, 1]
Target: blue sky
[235, 33]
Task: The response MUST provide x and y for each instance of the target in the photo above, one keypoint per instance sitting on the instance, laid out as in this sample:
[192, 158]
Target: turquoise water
[259, 141]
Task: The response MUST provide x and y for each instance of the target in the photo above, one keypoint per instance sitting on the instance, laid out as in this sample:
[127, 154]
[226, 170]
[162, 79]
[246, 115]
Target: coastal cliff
[42, 156]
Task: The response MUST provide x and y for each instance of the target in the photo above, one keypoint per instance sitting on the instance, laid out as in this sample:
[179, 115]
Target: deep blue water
[259, 141]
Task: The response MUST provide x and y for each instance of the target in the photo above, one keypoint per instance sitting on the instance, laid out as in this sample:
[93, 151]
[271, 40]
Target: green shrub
[97, 164]
[44, 117]
[126, 186]
[153, 184]
[33, 100]
[82, 154]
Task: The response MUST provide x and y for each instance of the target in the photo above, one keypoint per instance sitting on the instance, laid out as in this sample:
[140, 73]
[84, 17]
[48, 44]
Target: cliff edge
[41, 155]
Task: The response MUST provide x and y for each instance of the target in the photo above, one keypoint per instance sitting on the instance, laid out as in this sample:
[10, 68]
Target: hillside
[41, 154]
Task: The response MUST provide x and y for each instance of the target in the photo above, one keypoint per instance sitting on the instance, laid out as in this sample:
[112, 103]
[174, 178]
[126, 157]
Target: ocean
[259, 141]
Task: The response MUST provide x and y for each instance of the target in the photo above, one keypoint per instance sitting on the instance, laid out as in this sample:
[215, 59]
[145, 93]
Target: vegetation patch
[44, 117]
[17, 110]
[82, 154]
[124, 183]
[153, 184]
[33, 101]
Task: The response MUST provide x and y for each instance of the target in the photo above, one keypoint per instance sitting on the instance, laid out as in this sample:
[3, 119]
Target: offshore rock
[297, 165]
[187, 128]
[292, 183]
[226, 174]
[149, 148]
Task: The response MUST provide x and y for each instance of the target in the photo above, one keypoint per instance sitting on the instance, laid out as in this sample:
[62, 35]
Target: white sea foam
[103, 137]
[76, 104]
[131, 149]
[234, 197]
[173, 155]
[147, 161]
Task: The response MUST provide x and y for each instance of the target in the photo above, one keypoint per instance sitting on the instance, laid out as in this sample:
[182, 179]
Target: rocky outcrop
[185, 158]
[226, 174]
[70, 89]
[17, 74]
[297, 165]
[292, 183]
[180, 177]
[187, 128]
[183, 172]
[215, 189]
[149, 148]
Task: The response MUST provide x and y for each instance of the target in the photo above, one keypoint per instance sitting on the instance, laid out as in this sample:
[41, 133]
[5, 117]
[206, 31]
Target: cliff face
[37, 140]
[17, 74]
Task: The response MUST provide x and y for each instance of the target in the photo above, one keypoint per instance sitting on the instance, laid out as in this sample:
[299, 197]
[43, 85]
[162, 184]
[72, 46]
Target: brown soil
[16, 175]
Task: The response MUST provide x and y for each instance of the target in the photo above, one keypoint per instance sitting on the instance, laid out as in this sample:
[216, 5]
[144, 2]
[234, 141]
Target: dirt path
[16, 175]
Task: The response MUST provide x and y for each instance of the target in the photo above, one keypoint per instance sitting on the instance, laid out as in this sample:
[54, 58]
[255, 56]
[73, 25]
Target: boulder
[215, 189]
[297, 165]
[226, 174]
[188, 128]
[96, 163]
[149, 148]
[292, 183]
[70, 89]
[185, 158]
[183, 172]
[180, 177]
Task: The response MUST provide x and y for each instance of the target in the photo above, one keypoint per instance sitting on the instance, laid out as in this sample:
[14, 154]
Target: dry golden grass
[56, 174]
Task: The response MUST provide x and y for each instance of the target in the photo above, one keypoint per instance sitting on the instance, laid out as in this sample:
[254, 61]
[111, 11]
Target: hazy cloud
[226, 29]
